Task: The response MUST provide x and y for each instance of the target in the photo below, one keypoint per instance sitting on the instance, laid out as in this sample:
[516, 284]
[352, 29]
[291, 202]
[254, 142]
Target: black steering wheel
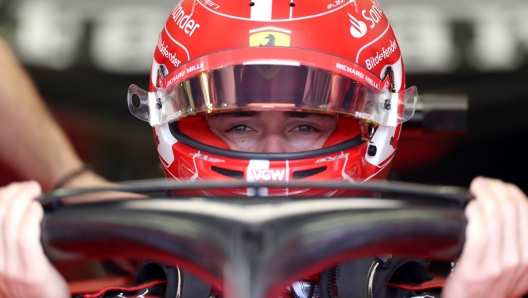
[254, 247]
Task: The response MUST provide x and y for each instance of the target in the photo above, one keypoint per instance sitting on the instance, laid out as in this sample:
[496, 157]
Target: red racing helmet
[333, 57]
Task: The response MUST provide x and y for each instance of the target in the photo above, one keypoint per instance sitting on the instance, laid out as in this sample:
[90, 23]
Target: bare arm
[31, 142]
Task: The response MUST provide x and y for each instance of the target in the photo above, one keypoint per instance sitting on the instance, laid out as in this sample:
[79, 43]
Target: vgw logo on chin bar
[268, 174]
[358, 28]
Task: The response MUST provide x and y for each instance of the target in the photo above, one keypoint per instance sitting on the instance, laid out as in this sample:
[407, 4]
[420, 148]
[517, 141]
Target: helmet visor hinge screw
[387, 104]
[372, 150]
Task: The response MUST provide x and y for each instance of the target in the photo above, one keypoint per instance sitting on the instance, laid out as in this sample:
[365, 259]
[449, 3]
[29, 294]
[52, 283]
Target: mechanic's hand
[24, 269]
[494, 262]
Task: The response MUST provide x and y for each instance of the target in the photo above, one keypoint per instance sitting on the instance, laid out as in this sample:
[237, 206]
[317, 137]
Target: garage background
[84, 54]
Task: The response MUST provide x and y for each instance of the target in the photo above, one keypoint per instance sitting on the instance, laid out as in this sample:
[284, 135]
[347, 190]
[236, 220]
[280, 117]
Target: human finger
[16, 211]
[477, 238]
[40, 278]
[520, 279]
[30, 246]
[463, 282]
[481, 189]
[492, 223]
[34, 260]
[9, 194]
[510, 252]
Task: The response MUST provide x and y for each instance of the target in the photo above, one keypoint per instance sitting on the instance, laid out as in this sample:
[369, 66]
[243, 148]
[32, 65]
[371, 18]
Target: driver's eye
[305, 128]
[239, 127]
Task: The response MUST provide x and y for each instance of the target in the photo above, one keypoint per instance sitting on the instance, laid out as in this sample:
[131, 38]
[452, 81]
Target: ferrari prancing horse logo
[269, 36]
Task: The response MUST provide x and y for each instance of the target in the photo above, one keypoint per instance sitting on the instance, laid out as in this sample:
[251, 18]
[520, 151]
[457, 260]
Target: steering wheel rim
[253, 247]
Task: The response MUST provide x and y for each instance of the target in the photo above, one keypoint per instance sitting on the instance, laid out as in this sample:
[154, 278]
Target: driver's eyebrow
[245, 114]
[236, 114]
[307, 114]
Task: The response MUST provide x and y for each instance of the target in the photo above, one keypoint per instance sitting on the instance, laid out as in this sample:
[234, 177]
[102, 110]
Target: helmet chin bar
[352, 143]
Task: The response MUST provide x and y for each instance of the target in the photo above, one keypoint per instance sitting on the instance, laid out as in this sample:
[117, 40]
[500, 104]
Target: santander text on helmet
[375, 14]
[184, 21]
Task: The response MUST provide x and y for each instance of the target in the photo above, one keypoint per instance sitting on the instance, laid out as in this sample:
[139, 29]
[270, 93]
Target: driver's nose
[274, 143]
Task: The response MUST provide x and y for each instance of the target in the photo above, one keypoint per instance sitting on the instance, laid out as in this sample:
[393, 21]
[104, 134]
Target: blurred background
[84, 54]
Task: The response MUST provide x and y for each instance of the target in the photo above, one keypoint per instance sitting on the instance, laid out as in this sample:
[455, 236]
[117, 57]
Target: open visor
[261, 87]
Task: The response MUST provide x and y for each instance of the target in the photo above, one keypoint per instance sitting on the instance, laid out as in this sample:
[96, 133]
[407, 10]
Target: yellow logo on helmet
[269, 37]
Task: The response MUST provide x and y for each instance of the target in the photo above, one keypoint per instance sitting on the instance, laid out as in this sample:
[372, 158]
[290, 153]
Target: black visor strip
[175, 131]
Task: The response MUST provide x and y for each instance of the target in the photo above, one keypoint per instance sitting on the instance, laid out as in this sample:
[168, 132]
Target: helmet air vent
[307, 173]
[229, 173]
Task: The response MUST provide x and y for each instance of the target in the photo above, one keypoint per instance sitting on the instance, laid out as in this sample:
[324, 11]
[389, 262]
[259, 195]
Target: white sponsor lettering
[176, 77]
[333, 158]
[364, 116]
[139, 296]
[349, 69]
[173, 116]
[143, 295]
[210, 3]
[205, 157]
[375, 14]
[385, 53]
[268, 174]
[335, 4]
[358, 28]
[179, 75]
[171, 81]
[184, 21]
[163, 50]
[195, 67]
[371, 82]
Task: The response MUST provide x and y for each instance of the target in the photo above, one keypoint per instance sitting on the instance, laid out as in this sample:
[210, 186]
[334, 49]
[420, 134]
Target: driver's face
[273, 131]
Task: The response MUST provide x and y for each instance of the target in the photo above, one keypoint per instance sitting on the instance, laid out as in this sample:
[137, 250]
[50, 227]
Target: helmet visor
[279, 87]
